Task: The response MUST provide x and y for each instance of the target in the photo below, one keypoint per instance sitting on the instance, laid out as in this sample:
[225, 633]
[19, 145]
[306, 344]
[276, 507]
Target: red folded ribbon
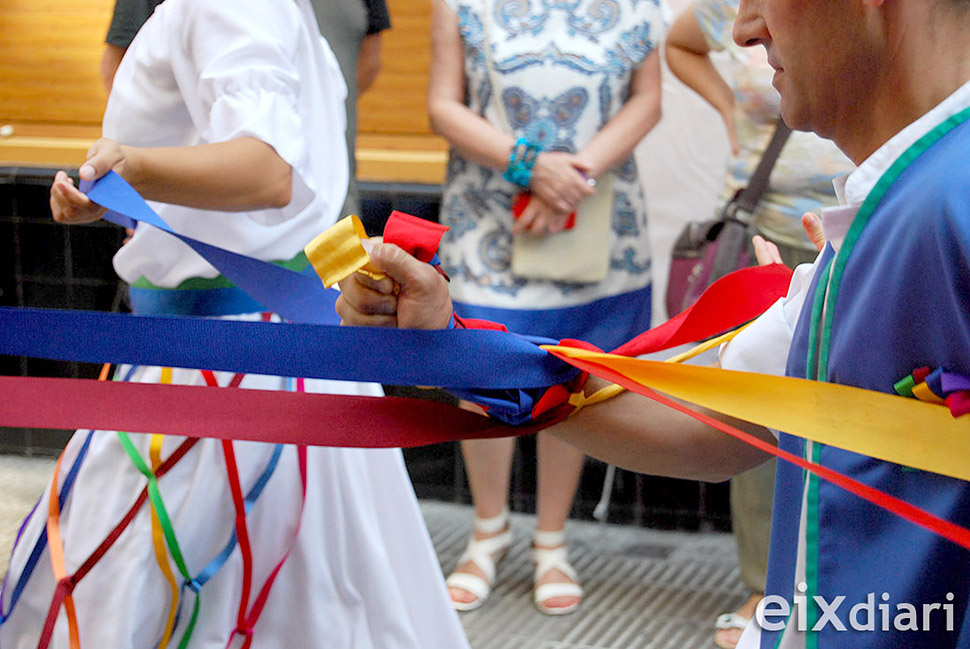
[522, 201]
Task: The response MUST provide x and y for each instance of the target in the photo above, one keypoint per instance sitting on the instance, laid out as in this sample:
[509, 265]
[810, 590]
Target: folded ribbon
[338, 252]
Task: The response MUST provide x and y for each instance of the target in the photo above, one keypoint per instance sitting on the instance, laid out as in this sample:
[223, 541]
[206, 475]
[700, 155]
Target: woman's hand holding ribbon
[68, 204]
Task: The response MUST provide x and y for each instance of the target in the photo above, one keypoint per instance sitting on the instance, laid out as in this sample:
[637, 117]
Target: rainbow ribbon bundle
[881, 425]
[937, 386]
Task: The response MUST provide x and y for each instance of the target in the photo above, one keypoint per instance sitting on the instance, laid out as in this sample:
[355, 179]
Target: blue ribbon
[297, 297]
[230, 300]
[480, 359]
[214, 566]
[402, 357]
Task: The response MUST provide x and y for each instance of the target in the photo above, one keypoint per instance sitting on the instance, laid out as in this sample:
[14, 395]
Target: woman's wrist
[522, 158]
[588, 168]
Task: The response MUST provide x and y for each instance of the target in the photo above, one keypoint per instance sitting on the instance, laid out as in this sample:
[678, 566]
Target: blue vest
[903, 303]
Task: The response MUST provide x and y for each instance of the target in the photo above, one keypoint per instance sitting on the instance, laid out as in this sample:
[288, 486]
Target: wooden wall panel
[49, 58]
[396, 104]
[51, 92]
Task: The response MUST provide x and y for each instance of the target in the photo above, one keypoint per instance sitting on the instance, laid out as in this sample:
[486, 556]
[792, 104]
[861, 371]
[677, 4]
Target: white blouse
[203, 71]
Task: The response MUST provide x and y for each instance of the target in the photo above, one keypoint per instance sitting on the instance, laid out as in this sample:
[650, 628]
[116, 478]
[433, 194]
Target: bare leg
[560, 466]
[488, 463]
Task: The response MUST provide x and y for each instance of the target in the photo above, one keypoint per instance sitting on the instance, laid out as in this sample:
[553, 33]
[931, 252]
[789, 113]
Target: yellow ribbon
[922, 392]
[338, 253]
[884, 426]
[158, 536]
[579, 400]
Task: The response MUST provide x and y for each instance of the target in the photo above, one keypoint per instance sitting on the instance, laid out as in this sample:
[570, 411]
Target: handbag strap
[749, 197]
[733, 237]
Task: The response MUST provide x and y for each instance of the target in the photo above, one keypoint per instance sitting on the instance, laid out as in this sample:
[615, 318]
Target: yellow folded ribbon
[884, 426]
[338, 253]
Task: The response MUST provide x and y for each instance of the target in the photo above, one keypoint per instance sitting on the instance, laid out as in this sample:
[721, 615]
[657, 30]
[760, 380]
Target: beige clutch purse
[580, 255]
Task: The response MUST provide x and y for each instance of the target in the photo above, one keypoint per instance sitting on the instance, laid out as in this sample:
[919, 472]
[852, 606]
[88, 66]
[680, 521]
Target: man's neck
[928, 60]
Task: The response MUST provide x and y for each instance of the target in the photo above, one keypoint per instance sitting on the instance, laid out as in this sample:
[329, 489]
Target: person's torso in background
[563, 69]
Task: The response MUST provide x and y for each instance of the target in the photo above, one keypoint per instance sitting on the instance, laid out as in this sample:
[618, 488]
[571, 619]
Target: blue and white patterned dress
[565, 69]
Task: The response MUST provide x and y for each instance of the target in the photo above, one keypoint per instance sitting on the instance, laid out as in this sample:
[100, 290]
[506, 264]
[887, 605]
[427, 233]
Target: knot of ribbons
[341, 251]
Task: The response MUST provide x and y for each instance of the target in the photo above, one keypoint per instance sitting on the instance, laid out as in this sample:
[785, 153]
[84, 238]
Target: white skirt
[361, 574]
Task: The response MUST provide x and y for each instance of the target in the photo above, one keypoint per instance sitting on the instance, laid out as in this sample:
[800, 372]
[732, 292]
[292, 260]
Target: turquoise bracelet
[521, 159]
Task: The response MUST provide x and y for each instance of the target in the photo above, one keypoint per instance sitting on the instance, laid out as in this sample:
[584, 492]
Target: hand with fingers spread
[412, 296]
[767, 252]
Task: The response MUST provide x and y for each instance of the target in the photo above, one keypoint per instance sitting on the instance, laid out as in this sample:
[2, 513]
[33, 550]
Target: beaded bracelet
[521, 159]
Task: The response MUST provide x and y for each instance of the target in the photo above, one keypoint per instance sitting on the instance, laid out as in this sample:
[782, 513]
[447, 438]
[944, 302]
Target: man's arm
[127, 18]
[369, 58]
[688, 56]
[110, 60]
[642, 435]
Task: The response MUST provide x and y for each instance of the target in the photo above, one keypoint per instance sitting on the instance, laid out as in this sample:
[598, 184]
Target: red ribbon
[417, 236]
[729, 302]
[923, 518]
[254, 415]
[68, 584]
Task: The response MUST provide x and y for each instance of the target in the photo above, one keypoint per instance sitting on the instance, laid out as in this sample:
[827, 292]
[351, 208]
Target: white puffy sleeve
[252, 68]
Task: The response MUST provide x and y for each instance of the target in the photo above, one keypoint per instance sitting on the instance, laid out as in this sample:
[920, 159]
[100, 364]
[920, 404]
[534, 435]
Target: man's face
[823, 54]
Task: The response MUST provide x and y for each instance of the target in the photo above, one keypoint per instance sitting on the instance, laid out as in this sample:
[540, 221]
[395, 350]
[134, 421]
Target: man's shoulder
[934, 186]
[943, 160]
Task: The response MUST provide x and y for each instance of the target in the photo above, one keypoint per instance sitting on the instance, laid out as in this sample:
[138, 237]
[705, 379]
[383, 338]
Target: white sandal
[552, 556]
[727, 621]
[484, 553]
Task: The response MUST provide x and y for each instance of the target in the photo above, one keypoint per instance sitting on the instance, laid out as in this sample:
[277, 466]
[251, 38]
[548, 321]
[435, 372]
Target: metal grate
[645, 589]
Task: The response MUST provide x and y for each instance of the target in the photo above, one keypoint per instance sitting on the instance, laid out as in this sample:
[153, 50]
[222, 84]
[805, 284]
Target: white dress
[361, 572]
[562, 70]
